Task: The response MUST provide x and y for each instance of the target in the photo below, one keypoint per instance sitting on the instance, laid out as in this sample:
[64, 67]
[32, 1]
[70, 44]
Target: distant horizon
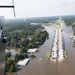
[38, 8]
[38, 17]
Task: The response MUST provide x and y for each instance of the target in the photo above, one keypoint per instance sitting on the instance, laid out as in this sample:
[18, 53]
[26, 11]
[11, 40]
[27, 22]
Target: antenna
[9, 6]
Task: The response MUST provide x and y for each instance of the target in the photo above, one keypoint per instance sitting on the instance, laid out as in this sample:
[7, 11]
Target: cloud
[31, 8]
[43, 3]
[61, 2]
[44, 7]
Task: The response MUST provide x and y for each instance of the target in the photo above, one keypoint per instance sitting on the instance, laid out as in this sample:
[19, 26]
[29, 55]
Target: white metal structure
[23, 62]
[32, 50]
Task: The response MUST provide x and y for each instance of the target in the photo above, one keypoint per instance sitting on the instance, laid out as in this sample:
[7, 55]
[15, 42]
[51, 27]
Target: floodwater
[41, 66]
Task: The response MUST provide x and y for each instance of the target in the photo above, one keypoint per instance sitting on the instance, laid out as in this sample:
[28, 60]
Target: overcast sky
[38, 8]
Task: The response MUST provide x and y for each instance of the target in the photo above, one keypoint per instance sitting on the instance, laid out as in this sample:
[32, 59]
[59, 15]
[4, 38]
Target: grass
[48, 55]
[45, 24]
[65, 54]
[56, 26]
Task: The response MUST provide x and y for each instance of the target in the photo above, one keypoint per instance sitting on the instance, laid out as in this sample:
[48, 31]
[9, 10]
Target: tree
[7, 66]
[8, 43]
[16, 57]
[25, 55]
[21, 56]
[23, 50]
[10, 65]
[24, 42]
[8, 54]
[32, 56]
[12, 68]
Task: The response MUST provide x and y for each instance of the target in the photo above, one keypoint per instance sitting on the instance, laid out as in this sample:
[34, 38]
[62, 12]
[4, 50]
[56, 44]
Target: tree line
[70, 21]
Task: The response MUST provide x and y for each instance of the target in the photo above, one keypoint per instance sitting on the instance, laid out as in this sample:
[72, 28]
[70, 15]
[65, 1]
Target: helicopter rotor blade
[13, 8]
[9, 6]
[6, 6]
[14, 12]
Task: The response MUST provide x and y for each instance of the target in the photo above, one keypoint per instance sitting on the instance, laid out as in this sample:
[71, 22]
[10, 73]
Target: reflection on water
[63, 41]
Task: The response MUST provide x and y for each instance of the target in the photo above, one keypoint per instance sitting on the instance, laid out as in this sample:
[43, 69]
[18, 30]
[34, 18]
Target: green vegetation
[56, 26]
[48, 56]
[46, 24]
[74, 43]
[73, 27]
[70, 21]
[39, 37]
[65, 54]
[20, 56]
[23, 50]
[7, 55]
[32, 55]
[24, 35]
[10, 65]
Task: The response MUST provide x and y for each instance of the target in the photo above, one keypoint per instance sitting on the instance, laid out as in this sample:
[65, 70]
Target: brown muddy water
[42, 66]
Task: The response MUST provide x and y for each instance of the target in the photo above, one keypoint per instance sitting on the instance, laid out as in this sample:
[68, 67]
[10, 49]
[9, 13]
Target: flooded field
[41, 66]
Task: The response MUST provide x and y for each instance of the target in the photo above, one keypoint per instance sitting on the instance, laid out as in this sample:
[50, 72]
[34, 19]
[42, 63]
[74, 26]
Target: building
[23, 62]
[32, 50]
